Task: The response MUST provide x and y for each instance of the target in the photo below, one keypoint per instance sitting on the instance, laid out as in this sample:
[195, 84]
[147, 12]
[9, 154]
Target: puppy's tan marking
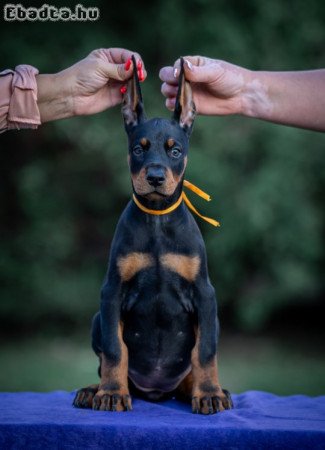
[132, 263]
[114, 380]
[144, 142]
[207, 395]
[142, 187]
[116, 374]
[186, 266]
[140, 182]
[172, 179]
[201, 376]
[179, 177]
[170, 142]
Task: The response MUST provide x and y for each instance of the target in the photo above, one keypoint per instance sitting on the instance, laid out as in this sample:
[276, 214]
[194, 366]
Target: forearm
[53, 98]
[289, 98]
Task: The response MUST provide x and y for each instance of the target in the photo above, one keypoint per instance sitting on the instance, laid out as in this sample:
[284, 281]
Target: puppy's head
[158, 147]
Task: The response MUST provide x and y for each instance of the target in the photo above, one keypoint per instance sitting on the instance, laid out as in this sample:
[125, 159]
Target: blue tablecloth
[259, 421]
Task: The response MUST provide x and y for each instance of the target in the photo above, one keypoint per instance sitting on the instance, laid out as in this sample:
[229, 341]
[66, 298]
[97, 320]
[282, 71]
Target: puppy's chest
[158, 264]
[158, 283]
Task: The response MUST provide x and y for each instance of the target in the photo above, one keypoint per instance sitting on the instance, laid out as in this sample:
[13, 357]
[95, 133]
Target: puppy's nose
[155, 175]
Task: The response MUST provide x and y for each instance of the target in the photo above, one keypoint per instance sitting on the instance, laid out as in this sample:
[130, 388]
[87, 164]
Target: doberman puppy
[157, 330]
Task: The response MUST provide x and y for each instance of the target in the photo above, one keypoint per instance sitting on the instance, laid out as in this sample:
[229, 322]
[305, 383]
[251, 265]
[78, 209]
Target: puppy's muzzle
[155, 175]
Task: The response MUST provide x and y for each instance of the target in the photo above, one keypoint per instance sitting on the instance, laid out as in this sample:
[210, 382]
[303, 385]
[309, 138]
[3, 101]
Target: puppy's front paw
[106, 400]
[211, 403]
[226, 399]
[84, 397]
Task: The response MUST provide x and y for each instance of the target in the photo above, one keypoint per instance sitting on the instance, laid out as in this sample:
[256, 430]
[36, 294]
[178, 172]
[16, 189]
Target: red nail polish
[140, 75]
[123, 89]
[127, 65]
[139, 65]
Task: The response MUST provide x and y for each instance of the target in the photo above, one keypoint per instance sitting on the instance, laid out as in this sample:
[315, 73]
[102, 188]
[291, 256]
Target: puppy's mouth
[155, 195]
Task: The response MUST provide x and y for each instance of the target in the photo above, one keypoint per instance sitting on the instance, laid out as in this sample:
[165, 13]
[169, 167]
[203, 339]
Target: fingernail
[140, 70]
[189, 64]
[140, 75]
[128, 63]
[123, 89]
[175, 73]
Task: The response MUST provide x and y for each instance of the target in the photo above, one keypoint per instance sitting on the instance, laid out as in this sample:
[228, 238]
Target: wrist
[53, 97]
[255, 97]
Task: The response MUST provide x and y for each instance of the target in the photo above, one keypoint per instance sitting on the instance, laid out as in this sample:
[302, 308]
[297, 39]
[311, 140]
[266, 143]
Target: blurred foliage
[63, 187]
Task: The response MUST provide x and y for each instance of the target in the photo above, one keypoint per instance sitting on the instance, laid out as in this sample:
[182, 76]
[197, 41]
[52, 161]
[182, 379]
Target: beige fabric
[18, 98]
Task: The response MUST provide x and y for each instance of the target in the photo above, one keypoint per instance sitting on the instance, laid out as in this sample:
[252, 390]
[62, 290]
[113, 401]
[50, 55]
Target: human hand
[88, 87]
[218, 87]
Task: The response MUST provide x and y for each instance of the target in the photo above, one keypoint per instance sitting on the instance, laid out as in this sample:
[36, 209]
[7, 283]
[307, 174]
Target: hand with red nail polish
[88, 87]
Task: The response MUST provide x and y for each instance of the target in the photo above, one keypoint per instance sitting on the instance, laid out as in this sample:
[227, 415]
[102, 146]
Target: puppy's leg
[84, 397]
[207, 394]
[202, 402]
[113, 392]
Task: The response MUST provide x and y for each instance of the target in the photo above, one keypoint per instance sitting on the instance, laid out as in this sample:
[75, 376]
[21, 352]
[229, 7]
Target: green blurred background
[63, 187]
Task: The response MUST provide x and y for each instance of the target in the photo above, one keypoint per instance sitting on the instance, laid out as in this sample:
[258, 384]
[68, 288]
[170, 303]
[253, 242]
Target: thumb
[116, 71]
[120, 72]
[202, 74]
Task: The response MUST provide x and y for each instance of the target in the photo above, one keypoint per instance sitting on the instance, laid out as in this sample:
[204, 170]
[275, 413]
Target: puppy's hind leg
[84, 397]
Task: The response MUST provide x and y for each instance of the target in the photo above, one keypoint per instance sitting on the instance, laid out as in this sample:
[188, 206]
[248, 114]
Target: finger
[196, 60]
[118, 57]
[168, 90]
[170, 74]
[166, 74]
[120, 72]
[206, 73]
[114, 55]
[197, 69]
[176, 69]
[115, 71]
[122, 55]
[170, 103]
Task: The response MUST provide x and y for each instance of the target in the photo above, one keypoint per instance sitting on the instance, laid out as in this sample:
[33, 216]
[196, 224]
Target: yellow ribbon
[184, 197]
[158, 212]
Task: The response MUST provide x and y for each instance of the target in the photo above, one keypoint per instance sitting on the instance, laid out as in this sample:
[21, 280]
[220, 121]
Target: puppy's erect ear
[184, 112]
[133, 109]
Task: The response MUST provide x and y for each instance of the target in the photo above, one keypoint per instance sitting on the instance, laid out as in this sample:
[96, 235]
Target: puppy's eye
[175, 152]
[137, 151]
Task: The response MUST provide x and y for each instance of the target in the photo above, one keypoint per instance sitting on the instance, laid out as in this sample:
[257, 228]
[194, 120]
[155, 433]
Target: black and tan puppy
[157, 330]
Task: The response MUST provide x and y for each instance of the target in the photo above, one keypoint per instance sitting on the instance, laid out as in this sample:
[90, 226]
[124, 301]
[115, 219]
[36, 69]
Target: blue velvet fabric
[259, 421]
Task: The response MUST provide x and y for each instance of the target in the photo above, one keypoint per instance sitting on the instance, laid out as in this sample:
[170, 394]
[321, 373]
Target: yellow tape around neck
[182, 197]
[157, 212]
